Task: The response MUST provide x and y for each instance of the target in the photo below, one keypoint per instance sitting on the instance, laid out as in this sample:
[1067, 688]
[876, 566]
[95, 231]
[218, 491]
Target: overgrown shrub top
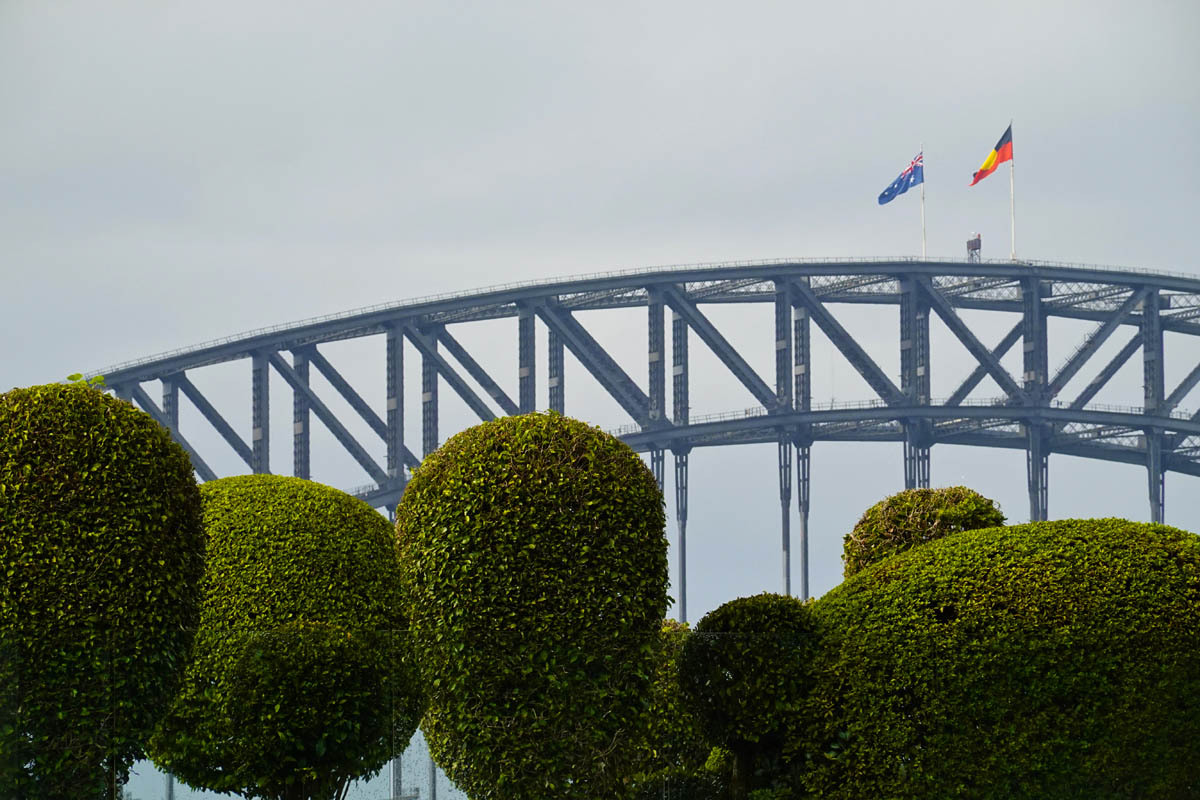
[744, 672]
[1057, 659]
[302, 673]
[912, 517]
[101, 551]
[535, 571]
[284, 549]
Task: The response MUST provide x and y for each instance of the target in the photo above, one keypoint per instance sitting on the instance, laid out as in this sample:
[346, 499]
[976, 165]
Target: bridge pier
[681, 515]
[681, 409]
[394, 378]
[803, 452]
[300, 419]
[785, 503]
[914, 379]
[260, 414]
[1153, 383]
[429, 403]
[1037, 470]
[526, 361]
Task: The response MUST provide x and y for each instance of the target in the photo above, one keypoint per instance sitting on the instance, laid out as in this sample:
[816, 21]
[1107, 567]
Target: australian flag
[913, 174]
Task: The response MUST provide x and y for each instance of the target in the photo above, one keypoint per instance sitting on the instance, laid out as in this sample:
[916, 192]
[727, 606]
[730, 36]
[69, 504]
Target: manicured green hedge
[744, 673]
[913, 517]
[101, 551]
[535, 572]
[302, 678]
[1056, 660]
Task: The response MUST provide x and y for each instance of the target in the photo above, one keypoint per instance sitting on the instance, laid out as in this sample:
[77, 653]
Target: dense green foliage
[745, 673]
[1057, 660]
[301, 679]
[913, 517]
[101, 551]
[670, 744]
[535, 571]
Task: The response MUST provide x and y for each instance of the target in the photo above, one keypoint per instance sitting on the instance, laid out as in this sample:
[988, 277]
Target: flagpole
[1012, 197]
[922, 201]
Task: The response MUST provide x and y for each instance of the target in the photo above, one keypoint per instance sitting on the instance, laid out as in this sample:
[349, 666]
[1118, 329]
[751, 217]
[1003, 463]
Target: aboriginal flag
[1000, 153]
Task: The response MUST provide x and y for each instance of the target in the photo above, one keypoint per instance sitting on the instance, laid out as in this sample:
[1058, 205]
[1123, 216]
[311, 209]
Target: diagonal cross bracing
[721, 347]
[202, 469]
[849, 347]
[942, 306]
[427, 346]
[331, 421]
[1185, 386]
[354, 399]
[597, 361]
[214, 417]
[1093, 343]
[1105, 375]
[343, 387]
[477, 372]
[972, 380]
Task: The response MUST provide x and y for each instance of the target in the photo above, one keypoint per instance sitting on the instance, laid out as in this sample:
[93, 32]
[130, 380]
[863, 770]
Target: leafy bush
[101, 551]
[535, 571]
[745, 674]
[301, 679]
[670, 743]
[1056, 659]
[913, 517]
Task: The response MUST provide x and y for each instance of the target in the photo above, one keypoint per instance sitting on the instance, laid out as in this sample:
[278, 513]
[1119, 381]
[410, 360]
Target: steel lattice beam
[721, 348]
[328, 418]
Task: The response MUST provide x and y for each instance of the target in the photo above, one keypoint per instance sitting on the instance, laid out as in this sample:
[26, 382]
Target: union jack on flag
[913, 174]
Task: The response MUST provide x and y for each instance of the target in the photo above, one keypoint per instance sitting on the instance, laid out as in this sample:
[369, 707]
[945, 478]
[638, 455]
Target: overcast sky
[176, 172]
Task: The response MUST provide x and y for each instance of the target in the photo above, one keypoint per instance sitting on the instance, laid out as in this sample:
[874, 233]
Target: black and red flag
[1000, 153]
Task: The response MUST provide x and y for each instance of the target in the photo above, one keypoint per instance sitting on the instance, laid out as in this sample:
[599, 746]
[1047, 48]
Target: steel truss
[1030, 415]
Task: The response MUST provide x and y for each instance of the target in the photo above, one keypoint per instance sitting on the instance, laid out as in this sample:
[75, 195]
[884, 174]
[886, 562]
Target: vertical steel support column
[802, 401]
[168, 787]
[785, 504]
[526, 361]
[681, 514]
[1037, 449]
[1037, 470]
[395, 404]
[170, 402]
[914, 380]
[554, 372]
[783, 399]
[679, 380]
[1152, 372]
[656, 361]
[429, 402]
[260, 414]
[300, 419]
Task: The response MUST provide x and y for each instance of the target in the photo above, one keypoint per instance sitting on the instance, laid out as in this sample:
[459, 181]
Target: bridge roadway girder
[1157, 435]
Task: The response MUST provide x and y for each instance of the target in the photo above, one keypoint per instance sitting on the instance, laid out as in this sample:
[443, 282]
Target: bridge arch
[1031, 411]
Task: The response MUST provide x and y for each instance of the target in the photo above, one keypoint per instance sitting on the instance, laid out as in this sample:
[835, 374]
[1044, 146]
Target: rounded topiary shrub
[535, 572]
[912, 517]
[302, 679]
[101, 551]
[745, 673]
[1056, 659]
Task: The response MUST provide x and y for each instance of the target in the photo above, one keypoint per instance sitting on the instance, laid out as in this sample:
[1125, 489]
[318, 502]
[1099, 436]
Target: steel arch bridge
[1030, 414]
